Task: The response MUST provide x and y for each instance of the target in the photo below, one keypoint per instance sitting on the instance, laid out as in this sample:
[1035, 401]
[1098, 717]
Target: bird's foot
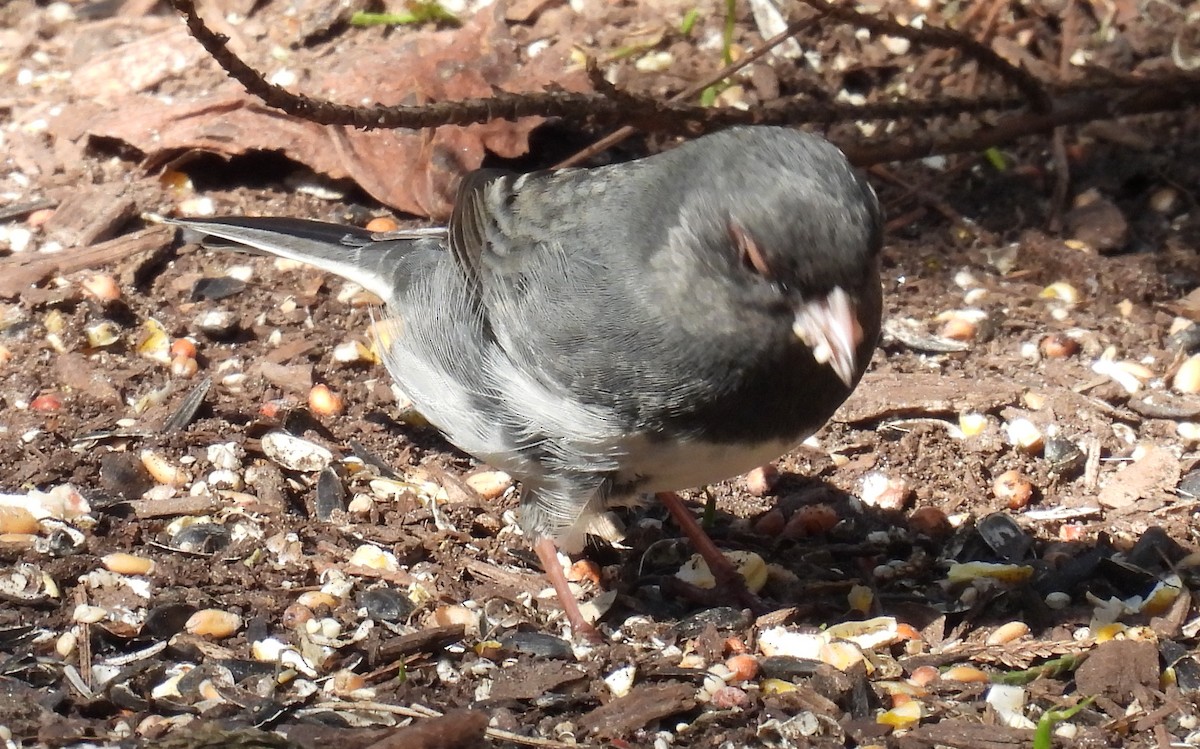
[547, 554]
[729, 582]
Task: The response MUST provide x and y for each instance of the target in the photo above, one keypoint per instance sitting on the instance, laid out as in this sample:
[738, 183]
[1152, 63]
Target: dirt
[866, 523]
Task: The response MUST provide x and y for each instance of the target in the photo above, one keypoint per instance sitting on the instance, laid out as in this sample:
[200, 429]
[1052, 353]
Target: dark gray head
[795, 211]
[783, 215]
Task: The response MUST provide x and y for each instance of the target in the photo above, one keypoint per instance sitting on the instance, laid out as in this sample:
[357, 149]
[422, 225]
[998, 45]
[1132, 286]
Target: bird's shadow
[831, 557]
[823, 546]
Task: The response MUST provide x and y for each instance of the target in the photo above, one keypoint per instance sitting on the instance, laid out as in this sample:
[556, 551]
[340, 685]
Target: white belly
[655, 466]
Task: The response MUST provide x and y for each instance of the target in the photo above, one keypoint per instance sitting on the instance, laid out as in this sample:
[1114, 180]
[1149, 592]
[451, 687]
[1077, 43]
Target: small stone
[217, 288]
[1164, 200]
[218, 324]
[896, 45]
[721, 617]
[385, 604]
[1186, 339]
[620, 682]
[1097, 222]
[1057, 600]
[1064, 456]
[726, 698]
[1189, 485]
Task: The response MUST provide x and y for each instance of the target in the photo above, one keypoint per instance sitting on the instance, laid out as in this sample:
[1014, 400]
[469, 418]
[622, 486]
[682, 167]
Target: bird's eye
[748, 249]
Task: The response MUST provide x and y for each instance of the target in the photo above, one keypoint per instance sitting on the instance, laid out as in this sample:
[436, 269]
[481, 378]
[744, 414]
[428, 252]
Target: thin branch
[1101, 96]
[609, 105]
[755, 54]
[944, 38]
[1074, 106]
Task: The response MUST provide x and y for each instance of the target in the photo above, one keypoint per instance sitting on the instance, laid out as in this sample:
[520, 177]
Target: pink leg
[547, 553]
[723, 571]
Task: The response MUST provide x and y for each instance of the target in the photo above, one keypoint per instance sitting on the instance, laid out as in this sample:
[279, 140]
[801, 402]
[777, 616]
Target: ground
[999, 524]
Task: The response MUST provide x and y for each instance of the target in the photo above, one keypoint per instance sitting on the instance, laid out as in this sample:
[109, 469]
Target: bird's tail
[368, 259]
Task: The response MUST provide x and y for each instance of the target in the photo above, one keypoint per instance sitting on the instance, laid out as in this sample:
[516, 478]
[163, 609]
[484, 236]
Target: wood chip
[21, 272]
[422, 641]
[90, 215]
[185, 505]
[643, 705]
[889, 395]
[1151, 477]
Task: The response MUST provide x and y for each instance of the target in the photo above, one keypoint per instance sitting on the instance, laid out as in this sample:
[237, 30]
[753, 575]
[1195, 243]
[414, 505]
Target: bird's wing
[551, 257]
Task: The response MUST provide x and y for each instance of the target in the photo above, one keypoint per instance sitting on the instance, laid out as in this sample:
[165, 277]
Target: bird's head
[804, 231]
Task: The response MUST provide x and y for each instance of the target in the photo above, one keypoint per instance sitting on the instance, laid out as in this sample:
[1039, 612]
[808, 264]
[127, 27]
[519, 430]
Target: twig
[1076, 104]
[22, 271]
[926, 198]
[1119, 96]
[609, 105]
[936, 36]
[1058, 145]
[23, 209]
[420, 711]
[84, 640]
[614, 138]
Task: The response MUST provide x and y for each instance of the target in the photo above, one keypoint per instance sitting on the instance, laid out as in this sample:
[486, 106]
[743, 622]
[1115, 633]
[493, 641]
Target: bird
[632, 329]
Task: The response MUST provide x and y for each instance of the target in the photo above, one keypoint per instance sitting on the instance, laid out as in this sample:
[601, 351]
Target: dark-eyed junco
[637, 328]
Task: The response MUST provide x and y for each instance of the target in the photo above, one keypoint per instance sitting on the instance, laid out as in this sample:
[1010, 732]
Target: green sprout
[418, 12]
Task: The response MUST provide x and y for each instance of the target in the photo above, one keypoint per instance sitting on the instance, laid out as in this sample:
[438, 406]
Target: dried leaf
[413, 171]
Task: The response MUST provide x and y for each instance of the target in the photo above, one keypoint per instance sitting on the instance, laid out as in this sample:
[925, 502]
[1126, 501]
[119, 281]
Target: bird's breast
[654, 464]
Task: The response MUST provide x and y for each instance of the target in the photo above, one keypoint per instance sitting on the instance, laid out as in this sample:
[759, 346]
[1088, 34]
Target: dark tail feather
[347, 251]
